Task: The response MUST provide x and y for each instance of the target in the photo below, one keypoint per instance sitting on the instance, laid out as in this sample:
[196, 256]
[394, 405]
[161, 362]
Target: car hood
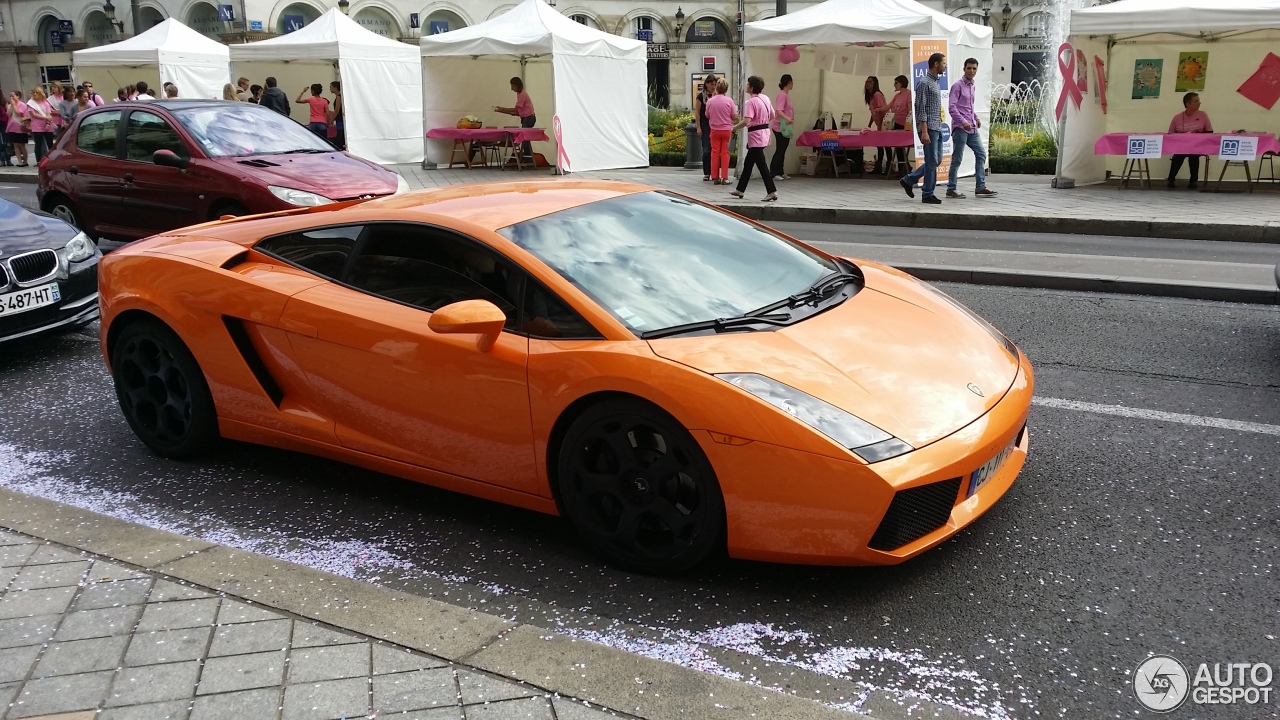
[895, 355]
[335, 175]
[22, 230]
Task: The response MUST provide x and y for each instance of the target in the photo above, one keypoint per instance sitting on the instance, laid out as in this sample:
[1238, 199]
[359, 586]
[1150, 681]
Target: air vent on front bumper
[914, 513]
[34, 266]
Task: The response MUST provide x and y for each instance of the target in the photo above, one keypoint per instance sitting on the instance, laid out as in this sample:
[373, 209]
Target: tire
[636, 486]
[227, 208]
[61, 208]
[162, 391]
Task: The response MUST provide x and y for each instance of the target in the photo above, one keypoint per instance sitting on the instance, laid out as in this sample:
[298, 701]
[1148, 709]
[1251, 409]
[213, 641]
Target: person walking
[702, 123]
[336, 118]
[41, 114]
[900, 108]
[274, 98]
[722, 113]
[784, 126]
[964, 132]
[879, 107]
[317, 120]
[1191, 120]
[524, 110]
[757, 114]
[929, 127]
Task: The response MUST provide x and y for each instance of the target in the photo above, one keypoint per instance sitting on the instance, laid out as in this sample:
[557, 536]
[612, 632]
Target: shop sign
[830, 141]
[704, 28]
[645, 35]
[659, 51]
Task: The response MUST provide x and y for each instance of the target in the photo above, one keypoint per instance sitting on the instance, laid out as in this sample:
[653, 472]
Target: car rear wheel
[61, 208]
[637, 487]
[162, 391]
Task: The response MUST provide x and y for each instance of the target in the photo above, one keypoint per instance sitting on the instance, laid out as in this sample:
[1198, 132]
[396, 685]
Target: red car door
[156, 198]
[90, 173]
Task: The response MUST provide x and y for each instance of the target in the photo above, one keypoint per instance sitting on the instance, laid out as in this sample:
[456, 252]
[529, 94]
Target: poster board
[921, 49]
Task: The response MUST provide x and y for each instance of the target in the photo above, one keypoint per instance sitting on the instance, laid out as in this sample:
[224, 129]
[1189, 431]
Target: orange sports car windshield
[655, 260]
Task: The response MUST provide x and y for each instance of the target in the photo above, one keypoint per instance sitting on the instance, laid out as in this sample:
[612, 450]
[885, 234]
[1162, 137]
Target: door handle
[128, 177]
[75, 169]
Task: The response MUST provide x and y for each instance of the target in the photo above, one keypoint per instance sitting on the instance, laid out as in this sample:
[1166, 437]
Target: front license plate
[988, 470]
[29, 299]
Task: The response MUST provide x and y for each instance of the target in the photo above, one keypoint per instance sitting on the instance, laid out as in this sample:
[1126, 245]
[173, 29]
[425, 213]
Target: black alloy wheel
[162, 391]
[637, 487]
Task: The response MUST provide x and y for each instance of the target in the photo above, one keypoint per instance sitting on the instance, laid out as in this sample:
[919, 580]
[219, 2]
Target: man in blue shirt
[929, 125]
[964, 132]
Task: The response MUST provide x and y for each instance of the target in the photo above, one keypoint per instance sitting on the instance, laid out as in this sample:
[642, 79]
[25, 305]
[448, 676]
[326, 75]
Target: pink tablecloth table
[857, 139]
[464, 137]
[1206, 144]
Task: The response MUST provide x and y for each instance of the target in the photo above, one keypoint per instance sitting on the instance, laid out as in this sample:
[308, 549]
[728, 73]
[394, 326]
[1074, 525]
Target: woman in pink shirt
[1190, 120]
[878, 107]
[523, 110]
[900, 106]
[721, 114]
[318, 120]
[784, 123]
[41, 114]
[757, 114]
[17, 127]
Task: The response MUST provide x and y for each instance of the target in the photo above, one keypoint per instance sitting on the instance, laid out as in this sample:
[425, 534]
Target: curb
[19, 177]
[1076, 282]
[606, 677]
[1268, 233]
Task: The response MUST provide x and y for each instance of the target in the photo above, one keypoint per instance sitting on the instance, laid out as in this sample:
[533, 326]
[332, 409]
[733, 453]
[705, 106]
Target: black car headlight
[861, 437]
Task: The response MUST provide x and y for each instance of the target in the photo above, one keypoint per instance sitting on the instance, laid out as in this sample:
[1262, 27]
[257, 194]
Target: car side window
[323, 251]
[547, 316]
[145, 133]
[97, 134]
[429, 267]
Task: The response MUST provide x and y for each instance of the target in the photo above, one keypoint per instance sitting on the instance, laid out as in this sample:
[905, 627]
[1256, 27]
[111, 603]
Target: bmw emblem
[976, 390]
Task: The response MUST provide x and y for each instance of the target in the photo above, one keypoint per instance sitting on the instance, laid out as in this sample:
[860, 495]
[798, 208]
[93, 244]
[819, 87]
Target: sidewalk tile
[178, 614]
[477, 688]
[154, 683]
[27, 630]
[167, 590]
[48, 554]
[24, 603]
[246, 638]
[388, 659]
[307, 635]
[242, 672]
[36, 577]
[419, 690]
[104, 622]
[328, 663]
[15, 663]
[114, 594]
[326, 700]
[175, 710]
[570, 709]
[7, 575]
[443, 713]
[251, 705]
[234, 611]
[13, 555]
[8, 693]
[8, 538]
[103, 571]
[168, 646]
[61, 694]
[523, 709]
[82, 656]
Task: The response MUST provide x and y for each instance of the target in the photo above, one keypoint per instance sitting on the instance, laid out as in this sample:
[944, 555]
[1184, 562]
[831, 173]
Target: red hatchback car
[128, 170]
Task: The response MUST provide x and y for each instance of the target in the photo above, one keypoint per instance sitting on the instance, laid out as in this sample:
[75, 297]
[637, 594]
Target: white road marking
[8, 187]
[1142, 414]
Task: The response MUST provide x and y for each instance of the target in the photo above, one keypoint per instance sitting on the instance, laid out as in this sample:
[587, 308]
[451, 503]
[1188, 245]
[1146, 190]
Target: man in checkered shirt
[929, 123]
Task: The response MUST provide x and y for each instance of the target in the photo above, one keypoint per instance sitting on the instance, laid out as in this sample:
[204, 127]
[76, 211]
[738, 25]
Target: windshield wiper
[719, 325]
[815, 292]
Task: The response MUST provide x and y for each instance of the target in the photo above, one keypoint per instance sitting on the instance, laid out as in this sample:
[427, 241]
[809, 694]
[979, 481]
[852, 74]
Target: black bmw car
[48, 274]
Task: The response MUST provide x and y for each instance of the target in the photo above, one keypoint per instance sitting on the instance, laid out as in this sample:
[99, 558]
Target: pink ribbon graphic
[1102, 81]
[562, 157]
[1070, 88]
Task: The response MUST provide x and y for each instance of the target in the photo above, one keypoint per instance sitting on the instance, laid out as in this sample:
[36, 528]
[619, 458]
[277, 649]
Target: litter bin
[692, 148]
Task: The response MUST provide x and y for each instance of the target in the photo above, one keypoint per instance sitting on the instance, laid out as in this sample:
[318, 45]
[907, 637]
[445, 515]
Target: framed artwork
[1147, 77]
[1192, 69]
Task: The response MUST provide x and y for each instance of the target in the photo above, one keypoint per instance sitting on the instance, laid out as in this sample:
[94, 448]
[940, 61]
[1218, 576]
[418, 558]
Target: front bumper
[785, 505]
[79, 306]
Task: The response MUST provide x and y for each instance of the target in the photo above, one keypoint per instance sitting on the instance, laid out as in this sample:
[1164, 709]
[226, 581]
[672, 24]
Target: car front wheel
[62, 209]
[162, 391]
[637, 487]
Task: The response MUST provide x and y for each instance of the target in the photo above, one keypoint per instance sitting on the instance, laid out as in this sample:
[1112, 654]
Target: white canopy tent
[1236, 35]
[593, 81]
[875, 35]
[200, 67]
[381, 84]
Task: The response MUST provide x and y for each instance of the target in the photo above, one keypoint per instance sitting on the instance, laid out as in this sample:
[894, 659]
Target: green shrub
[1041, 145]
[1024, 165]
[662, 120]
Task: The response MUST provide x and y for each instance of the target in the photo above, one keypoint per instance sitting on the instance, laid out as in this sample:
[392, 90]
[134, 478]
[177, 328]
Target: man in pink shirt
[523, 110]
[1190, 120]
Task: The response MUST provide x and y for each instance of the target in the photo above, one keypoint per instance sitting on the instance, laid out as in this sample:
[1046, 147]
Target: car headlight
[861, 437]
[302, 198]
[999, 337]
[402, 185]
[79, 248]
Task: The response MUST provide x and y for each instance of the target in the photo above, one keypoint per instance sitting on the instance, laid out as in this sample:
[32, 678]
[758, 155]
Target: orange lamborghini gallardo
[675, 380]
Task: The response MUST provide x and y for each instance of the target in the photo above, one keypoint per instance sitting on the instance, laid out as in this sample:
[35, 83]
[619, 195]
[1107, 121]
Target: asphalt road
[1124, 536]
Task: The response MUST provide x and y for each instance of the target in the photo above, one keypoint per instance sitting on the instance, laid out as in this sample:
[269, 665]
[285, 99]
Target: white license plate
[29, 299]
[988, 469]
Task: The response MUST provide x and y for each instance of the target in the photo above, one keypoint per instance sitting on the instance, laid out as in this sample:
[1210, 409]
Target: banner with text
[921, 49]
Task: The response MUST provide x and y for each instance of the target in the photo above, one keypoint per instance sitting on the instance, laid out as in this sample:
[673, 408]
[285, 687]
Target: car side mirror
[169, 158]
[479, 317]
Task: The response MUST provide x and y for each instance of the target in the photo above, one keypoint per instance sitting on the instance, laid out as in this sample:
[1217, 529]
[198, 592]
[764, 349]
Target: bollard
[692, 148]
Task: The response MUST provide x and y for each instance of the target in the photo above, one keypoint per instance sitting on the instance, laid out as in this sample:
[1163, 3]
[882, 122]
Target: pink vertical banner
[1102, 81]
[562, 156]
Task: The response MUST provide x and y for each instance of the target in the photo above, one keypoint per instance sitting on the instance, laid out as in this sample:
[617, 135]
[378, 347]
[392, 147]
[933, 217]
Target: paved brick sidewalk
[83, 638]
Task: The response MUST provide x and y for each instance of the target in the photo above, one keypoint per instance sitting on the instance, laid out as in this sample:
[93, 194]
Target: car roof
[498, 205]
[173, 104]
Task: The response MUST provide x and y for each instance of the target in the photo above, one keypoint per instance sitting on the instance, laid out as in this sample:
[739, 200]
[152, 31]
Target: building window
[584, 20]
[974, 18]
[1037, 23]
